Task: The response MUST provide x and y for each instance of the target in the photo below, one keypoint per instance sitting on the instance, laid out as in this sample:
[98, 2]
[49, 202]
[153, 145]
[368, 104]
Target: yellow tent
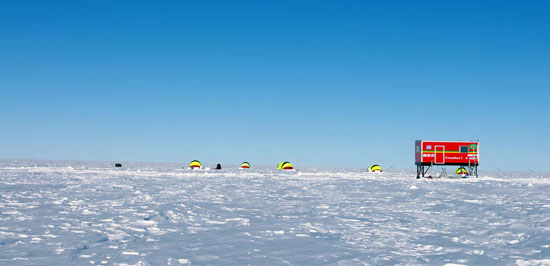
[461, 171]
[245, 165]
[375, 168]
[195, 164]
[285, 166]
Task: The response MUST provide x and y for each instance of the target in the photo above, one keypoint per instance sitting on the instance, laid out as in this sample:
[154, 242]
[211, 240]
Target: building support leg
[421, 170]
[425, 170]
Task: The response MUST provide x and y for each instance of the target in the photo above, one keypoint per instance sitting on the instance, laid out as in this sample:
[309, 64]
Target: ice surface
[90, 213]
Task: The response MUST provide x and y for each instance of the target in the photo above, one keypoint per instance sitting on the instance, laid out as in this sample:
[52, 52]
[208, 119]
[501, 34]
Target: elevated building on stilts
[464, 154]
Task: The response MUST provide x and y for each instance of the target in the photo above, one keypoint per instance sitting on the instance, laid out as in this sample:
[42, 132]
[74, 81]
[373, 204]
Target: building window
[428, 147]
[463, 149]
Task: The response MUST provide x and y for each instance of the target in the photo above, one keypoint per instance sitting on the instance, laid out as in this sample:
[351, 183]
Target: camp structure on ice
[285, 166]
[195, 165]
[375, 168]
[245, 165]
[461, 171]
[464, 154]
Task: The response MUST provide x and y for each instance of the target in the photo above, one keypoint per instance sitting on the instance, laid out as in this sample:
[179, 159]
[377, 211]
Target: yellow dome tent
[461, 171]
[285, 166]
[195, 165]
[375, 168]
[245, 165]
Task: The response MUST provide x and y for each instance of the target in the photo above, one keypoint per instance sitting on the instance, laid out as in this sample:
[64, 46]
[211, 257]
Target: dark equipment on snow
[118, 165]
[219, 167]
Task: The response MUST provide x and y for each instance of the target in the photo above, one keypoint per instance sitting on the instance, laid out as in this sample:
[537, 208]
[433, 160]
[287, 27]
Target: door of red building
[439, 154]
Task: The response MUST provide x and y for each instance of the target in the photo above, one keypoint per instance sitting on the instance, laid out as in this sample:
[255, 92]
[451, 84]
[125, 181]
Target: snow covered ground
[84, 213]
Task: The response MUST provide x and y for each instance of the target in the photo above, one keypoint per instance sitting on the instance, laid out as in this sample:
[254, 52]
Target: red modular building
[462, 153]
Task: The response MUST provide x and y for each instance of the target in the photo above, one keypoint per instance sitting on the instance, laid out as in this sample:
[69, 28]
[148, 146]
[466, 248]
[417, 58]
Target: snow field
[146, 214]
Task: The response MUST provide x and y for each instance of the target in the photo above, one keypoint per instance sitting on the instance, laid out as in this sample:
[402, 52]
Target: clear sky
[317, 83]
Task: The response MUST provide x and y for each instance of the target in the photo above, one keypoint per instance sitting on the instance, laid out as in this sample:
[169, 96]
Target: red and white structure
[443, 153]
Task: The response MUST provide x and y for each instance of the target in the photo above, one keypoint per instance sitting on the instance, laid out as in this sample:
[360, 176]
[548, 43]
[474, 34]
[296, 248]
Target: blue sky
[317, 83]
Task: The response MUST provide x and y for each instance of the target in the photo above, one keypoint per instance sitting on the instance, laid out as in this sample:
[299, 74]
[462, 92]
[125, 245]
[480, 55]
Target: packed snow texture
[90, 213]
